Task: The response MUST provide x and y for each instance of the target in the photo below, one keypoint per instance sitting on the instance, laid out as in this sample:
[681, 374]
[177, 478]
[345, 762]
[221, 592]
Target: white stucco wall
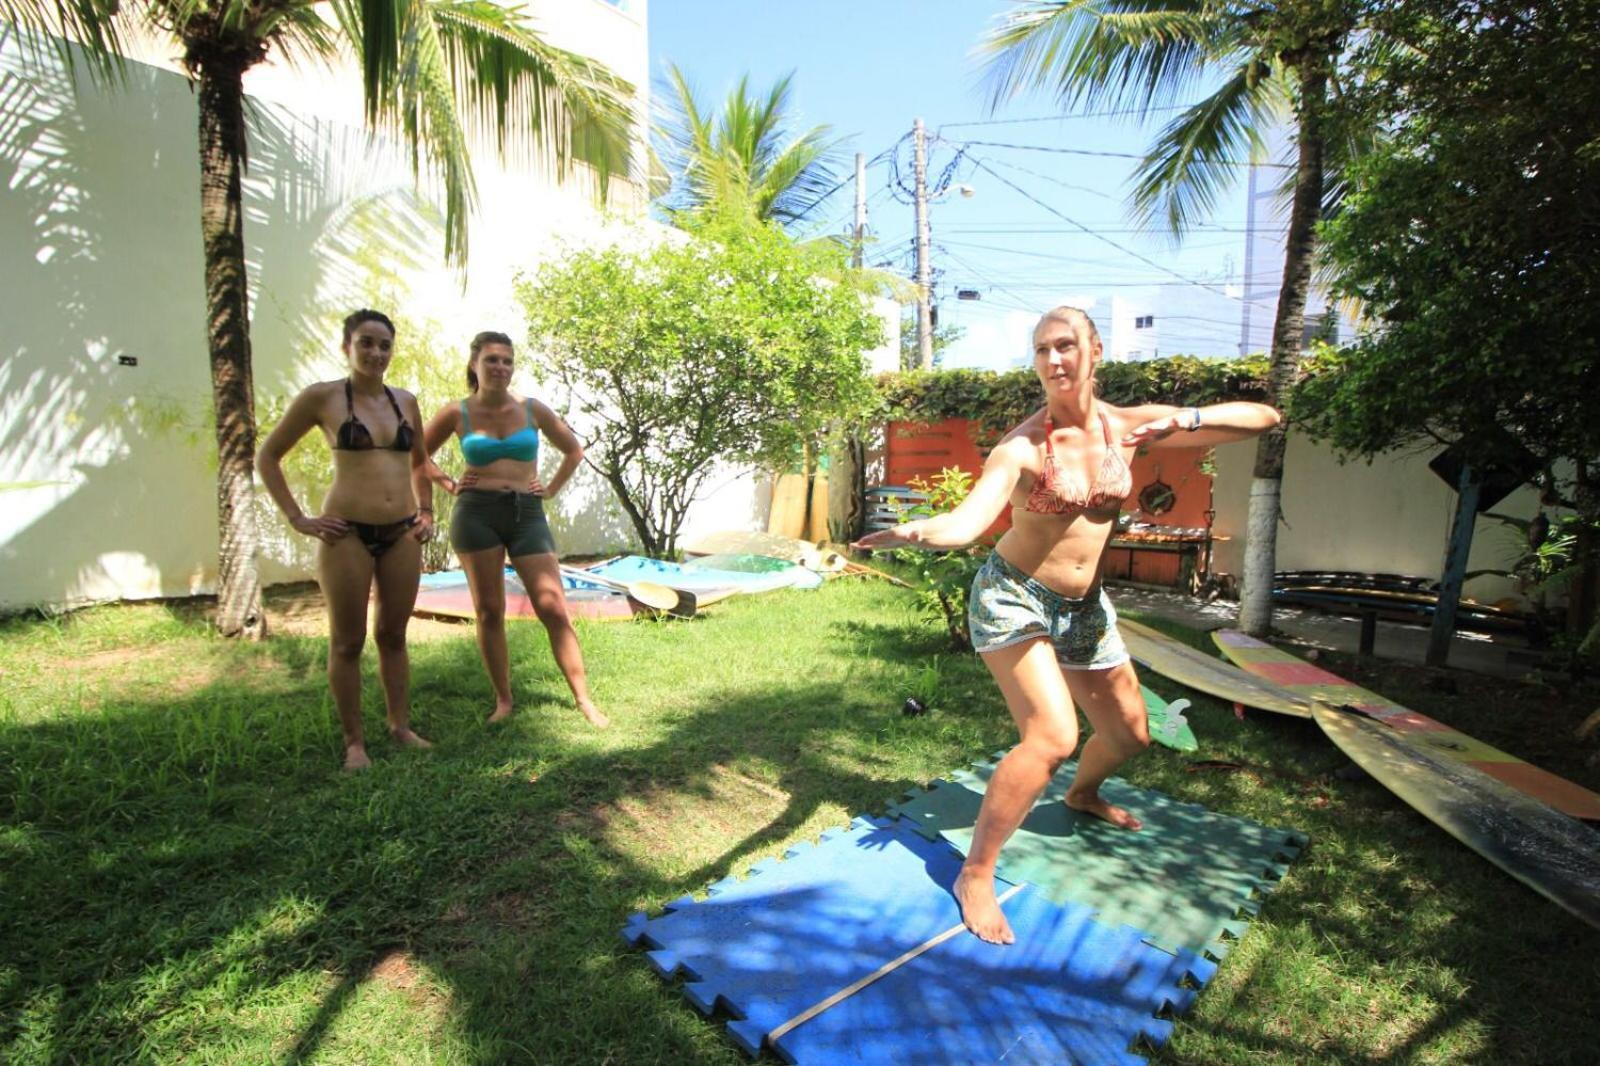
[1390, 516]
[107, 470]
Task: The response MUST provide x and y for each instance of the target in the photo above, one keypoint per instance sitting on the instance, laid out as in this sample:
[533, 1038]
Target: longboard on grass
[1554, 855]
[1208, 674]
[1418, 730]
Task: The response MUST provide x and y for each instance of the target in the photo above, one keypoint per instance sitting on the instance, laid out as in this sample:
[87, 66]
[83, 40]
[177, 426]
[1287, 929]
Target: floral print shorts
[1007, 606]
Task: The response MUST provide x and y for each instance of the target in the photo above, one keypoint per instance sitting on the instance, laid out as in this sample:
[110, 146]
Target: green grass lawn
[185, 874]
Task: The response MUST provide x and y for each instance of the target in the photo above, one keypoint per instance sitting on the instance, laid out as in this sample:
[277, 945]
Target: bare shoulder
[319, 394]
[1020, 447]
[1027, 433]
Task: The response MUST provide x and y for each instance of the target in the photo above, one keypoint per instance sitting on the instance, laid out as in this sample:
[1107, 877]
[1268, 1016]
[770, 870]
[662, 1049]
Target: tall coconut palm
[431, 69]
[1273, 58]
[744, 154]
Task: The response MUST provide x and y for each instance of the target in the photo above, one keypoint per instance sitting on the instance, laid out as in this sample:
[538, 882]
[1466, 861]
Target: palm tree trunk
[222, 160]
[1261, 529]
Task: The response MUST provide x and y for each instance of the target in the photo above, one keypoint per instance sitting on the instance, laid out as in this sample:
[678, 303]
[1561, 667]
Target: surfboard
[445, 595]
[702, 587]
[1208, 674]
[779, 547]
[757, 573]
[1168, 726]
[1554, 855]
[788, 515]
[1311, 681]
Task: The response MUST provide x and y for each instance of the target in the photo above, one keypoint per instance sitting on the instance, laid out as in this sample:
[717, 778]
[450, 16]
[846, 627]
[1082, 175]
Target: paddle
[650, 593]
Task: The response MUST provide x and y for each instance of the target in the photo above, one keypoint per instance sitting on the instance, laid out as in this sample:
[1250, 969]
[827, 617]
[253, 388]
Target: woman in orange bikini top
[1058, 490]
[1037, 614]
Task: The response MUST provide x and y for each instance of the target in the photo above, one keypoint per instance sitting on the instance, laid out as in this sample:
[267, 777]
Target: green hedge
[998, 401]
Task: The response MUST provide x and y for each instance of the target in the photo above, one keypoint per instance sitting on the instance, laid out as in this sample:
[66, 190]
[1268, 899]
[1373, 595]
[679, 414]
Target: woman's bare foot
[502, 710]
[592, 713]
[1098, 807]
[980, 911]
[355, 757]
[407, 739]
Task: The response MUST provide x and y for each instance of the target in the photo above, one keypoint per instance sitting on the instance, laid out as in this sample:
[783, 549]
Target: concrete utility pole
[924, 271]
[860, 235]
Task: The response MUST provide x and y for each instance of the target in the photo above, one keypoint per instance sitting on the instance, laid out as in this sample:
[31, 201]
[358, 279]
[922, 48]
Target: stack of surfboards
[1525, 820]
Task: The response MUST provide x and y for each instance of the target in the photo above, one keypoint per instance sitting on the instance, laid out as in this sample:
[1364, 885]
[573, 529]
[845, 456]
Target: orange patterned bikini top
[1058, 490]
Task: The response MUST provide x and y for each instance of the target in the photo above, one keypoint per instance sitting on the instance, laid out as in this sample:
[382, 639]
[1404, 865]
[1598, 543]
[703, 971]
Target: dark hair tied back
[488, 336]
[353, 320]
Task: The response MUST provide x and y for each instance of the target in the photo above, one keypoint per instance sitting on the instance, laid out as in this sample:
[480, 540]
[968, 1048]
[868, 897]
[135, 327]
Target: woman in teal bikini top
[480, 449]
[498, 517]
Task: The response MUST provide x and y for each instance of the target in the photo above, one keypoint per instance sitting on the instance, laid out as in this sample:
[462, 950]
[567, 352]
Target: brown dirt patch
[397, 971]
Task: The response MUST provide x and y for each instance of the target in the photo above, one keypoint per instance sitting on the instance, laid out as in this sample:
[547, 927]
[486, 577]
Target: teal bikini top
[480, 449]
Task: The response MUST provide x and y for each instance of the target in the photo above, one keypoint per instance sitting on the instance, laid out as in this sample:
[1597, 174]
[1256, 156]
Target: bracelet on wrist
[424, 510]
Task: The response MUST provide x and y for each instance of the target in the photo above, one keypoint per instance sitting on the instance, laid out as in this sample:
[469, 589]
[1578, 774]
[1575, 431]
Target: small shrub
[945, 576]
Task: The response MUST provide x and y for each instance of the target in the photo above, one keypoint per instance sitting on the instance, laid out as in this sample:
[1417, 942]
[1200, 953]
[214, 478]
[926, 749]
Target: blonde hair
[1066, 313]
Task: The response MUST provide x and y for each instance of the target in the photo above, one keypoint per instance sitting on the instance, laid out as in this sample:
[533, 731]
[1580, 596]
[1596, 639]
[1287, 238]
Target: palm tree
[744, 155]
[431, 70]
[1272, 57]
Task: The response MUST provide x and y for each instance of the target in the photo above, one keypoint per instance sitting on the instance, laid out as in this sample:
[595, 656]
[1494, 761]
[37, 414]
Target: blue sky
[869, 67]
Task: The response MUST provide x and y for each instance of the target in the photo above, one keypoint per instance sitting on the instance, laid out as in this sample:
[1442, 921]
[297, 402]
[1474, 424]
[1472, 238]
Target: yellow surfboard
[1554, 855]
[1206, 673]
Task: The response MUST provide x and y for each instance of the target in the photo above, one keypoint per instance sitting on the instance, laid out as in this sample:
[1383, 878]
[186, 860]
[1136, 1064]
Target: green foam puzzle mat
[1191, 878]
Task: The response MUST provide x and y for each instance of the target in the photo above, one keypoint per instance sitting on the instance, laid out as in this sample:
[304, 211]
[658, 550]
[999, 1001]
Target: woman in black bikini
[370, 526]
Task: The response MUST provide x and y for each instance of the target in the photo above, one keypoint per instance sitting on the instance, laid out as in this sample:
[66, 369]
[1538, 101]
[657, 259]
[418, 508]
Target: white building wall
[107, 470]
[1392, 515]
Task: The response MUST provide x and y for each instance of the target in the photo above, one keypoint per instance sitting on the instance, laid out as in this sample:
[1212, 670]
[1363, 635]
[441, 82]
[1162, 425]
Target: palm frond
[437, 70]
[1196, 157]
[1134, 53]
[743, 154]
[53, 26]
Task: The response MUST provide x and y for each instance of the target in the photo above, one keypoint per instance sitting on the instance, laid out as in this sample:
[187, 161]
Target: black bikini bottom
[380, 538]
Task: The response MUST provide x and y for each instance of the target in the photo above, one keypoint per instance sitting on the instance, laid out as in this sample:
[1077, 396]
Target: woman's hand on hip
[324, 528]
[537, 487]
[423, 530]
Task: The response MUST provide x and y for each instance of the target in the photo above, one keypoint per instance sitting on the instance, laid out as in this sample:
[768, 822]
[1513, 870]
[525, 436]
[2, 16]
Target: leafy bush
[998, 401]
[945, 576]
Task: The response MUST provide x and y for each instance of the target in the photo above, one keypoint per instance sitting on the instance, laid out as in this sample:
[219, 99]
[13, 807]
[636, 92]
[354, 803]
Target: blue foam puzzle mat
[767, 948]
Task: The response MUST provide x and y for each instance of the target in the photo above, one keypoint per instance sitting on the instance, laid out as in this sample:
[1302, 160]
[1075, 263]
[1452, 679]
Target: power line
[1062, 118]
[1107, 240]
[1057, 181]
[1109, 155]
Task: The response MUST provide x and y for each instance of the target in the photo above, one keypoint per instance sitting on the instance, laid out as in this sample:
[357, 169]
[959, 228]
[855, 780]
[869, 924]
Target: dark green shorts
[492, 518]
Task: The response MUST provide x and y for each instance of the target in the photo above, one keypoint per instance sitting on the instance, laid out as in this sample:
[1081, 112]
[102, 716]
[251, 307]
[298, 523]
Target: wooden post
[1455, 567]
[1369, 632]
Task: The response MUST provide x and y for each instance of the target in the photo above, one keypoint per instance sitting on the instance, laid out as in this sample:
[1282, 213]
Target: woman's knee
[491, 615]
[390, 637]
[346, 647]
[1055, 746]
[552, 610]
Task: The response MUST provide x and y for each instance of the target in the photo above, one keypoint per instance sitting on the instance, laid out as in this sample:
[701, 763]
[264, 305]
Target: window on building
[1144, 321]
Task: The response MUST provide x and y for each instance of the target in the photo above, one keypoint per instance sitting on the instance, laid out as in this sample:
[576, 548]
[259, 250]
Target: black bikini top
[354, 436]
